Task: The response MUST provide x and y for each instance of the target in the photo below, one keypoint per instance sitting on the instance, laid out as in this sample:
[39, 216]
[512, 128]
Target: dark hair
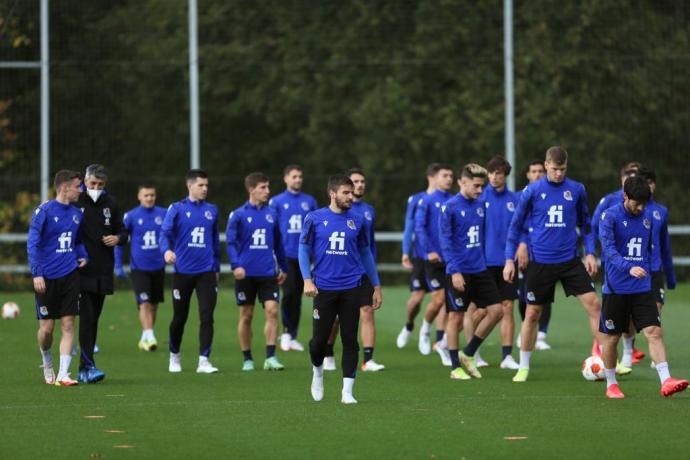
[194, 174]
[647, 174]
[146, 185]
[97, 171]
[64, 176]
[443, 166]
[289, 168]
[498, 163]
[432, 169]
[254, 179]
[636, 188]
[338, 180]
[557, 154]
[472, 171]
[630, 169]
[534, 163]
[352, 171]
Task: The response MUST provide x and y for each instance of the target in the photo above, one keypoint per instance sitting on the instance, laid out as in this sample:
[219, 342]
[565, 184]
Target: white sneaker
[295, 345]
[480, 360]
[424, 344]
[509, 363]
[285, 340]
[445, 356]
[403, 338]
[541, 345]
[48, 374]
[372, 366]
[347, 398]
[174, 364]
[329, 363]
[317, 387]
[205, 367]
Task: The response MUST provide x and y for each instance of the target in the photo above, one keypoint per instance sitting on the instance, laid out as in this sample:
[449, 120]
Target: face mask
[94, 194]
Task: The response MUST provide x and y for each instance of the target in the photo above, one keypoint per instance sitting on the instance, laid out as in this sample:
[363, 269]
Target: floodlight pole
[509, 96]
[195, 161]
[45, 103]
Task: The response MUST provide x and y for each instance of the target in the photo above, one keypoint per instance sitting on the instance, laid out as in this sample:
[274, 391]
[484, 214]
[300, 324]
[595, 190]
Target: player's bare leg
[432, 310]
[45, 342]
[244, 332]
[412, 307]
[528, 337]
[367, 323]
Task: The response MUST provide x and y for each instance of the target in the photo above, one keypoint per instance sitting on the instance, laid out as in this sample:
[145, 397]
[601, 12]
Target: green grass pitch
[411, 410]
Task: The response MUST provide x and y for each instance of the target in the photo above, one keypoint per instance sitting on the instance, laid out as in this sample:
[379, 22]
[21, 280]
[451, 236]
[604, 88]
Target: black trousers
[291, 306]
[206, 288]
[327, 306]
[90, 309]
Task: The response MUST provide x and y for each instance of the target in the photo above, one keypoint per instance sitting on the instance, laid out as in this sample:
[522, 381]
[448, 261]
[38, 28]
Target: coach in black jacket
[101, 230]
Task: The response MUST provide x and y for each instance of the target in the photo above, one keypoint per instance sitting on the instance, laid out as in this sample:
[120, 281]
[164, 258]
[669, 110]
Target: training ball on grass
[593, 369]
[10, 310]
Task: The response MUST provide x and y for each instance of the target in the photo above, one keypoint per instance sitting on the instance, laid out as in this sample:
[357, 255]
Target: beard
[343, 204]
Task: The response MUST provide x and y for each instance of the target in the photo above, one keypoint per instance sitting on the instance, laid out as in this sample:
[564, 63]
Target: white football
[10, 310]
[593, 369]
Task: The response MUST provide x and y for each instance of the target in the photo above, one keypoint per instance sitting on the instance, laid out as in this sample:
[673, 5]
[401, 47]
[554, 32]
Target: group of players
[461, 248]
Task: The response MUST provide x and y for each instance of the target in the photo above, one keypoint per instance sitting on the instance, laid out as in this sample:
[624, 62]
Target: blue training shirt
[410, 243]
[554, 211]
[54, 243]
[335, 241]
[426, 222]
[500, 208]
[254, 241]
[291, 209]
[367, 211]
[661, 242]
[461, 226]
[190, 230]
[626, 240]
[144, 228]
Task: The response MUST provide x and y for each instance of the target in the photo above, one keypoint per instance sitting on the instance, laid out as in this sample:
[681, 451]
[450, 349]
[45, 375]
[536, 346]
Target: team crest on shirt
[75, 219]
[44, 310]
[158, 220]
[567, 195]
[510, 205]
[657, 215]
[647, 224]
[305, 206]
[269, 218]
[367, 215]
[480, 212]
[543, 196]
[351, 224]
[140, 221]
[208, 215]
[106, 213]
[610, 325]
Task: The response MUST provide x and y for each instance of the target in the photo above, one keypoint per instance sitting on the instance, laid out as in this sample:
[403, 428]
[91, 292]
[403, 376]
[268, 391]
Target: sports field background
[410, 410]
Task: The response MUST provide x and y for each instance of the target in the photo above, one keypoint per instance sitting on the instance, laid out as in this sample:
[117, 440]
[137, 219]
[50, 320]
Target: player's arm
[33, 244]
[367, 258]
[216, 246]
[420, 226]
[119, 270]
[232, 231]
[586, 232]
[372, 234]
[408, 231]
[607, 238]
[515, 232]
[167, 237]
[279, 251]
[602, 206]
[666, 255]
[306, 241]
[446, 225]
